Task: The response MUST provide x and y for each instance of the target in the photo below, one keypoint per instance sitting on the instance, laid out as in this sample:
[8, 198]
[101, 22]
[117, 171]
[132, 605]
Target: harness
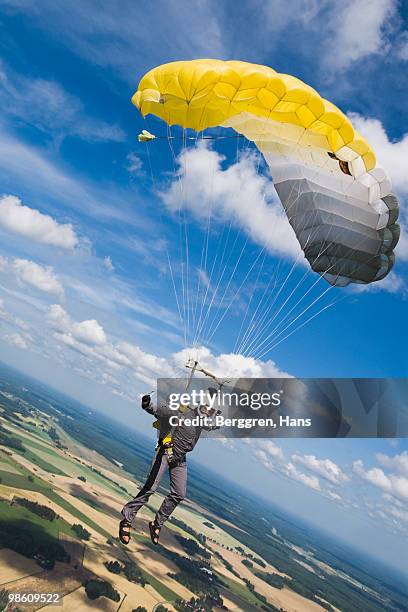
[166, 442]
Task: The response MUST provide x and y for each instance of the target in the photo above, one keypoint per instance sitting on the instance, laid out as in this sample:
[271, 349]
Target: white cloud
[263, 458]
[398, 463]
[324, 467]
[134, 164]
[272, 449]
[239, 193]
[292, 472]
[272, 458]
[334, 496]
[390, 154]
[230, 365]
[132, 363]
[42, 278]
[58, 317]
[147, 362]
[389, 483]
[375, 476]
[268, 453]
[89, 339]
[108, 265]
[392, 283]
[80, 347]
[90, 332]
[25, 165]
[30, 223]
[357, 29]
[17, 340]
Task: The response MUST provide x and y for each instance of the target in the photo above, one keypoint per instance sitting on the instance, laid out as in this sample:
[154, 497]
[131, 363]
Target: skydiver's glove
[146, 401]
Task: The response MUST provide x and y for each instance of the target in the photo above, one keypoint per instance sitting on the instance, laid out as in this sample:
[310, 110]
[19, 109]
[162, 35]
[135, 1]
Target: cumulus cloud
[86, 350]
[357, 29]
[392, 484]
[390, 154]
[268, 454]
[230, 365]
[90, 332]
[292, 472]
[30, 223]
[42, 278]
[239, 193]
[272, 458]
[324, 467]
[140, 359]
[272, 449]
[398, 463]
[89, 339]
[58, 317]
[30, 273]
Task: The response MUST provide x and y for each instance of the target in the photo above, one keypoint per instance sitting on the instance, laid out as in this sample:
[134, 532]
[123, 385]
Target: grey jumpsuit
[177, 471]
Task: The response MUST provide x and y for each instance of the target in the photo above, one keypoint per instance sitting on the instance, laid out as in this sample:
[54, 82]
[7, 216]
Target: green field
[240, 590]
[20, 481]
[15, 513]
[35, 459]
[162, 589]
[45, 457]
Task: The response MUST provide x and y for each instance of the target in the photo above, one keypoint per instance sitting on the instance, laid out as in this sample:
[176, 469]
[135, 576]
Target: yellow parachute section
[275, 110]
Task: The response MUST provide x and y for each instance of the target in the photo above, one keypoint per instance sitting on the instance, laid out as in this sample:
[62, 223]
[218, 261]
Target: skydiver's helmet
[206, 411]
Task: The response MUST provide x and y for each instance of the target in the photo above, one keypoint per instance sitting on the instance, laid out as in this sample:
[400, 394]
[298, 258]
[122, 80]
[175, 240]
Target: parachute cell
[336, 197]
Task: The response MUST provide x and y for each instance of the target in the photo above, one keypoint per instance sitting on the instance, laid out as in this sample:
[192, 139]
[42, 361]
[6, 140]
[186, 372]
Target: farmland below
[63, 483]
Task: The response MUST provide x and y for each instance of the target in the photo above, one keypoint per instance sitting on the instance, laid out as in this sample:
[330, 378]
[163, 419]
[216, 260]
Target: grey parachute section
[344, 237]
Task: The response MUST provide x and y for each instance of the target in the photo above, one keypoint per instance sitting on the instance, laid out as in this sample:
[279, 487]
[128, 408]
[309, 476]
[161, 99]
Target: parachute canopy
[337, 198]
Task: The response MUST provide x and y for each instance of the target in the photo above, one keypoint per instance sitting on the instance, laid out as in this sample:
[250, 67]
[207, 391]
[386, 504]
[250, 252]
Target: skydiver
[171, 449]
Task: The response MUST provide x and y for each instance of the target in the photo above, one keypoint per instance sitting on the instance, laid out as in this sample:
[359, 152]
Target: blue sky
[87, 301]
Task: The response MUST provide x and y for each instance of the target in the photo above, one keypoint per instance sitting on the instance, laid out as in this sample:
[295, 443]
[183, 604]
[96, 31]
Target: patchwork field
[96, 501]
[60, 505]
